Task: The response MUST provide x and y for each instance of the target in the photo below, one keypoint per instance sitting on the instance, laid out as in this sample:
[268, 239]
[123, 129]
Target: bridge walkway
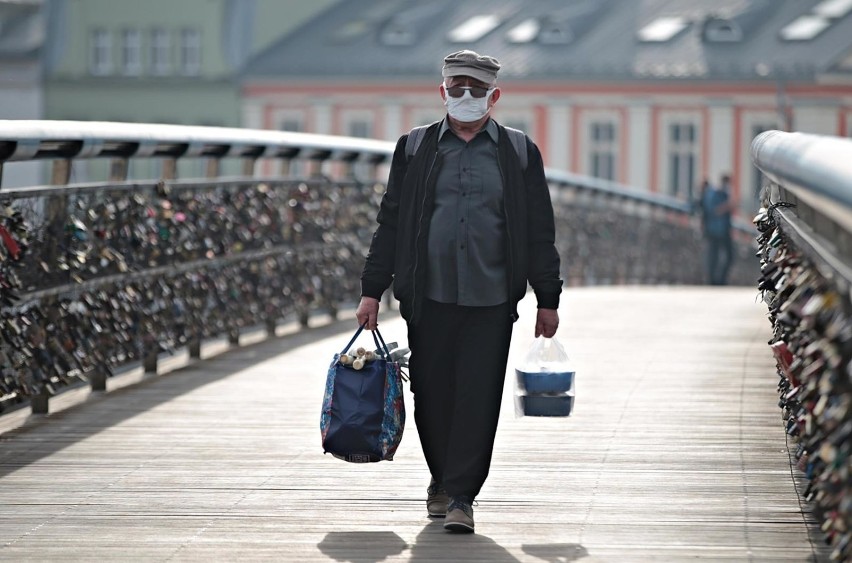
[675, 452]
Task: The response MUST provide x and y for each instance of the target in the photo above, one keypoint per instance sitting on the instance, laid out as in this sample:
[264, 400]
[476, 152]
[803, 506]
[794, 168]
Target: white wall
[721, 157]
[816, 118]
[639, 146]
[559, 136]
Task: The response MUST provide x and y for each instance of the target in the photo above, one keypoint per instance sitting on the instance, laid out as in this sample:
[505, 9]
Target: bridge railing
[101, 275]
[806, 281]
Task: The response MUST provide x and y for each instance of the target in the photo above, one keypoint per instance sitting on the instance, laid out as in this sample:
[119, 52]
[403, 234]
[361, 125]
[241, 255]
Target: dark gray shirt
[467, 238]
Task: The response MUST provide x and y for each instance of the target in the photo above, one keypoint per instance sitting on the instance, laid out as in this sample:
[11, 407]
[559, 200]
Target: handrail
[39, 139]
[616, 189]
[805, 251]
[805, 162]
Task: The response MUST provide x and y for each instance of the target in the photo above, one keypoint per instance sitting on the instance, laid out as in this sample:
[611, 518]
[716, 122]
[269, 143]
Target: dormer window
[556, 33]
[524, 32]
[835, 9]
[474, 28]
[720, 30]
[662, 29]
[398, 35]
[804, 28]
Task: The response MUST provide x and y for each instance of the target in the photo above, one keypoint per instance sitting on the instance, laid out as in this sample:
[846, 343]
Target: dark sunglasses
[458, 91]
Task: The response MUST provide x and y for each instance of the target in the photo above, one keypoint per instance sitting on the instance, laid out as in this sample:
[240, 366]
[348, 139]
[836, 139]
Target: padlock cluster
[92, 234]
[128, 274]
[812, 345]
[14, 245]
[357, 358]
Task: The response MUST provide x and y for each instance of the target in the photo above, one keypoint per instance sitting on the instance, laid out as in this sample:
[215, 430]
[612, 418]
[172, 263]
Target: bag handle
[377, 338]
[380, 344]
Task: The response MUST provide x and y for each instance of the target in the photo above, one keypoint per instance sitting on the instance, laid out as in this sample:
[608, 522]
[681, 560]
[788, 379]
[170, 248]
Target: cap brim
[481, 75]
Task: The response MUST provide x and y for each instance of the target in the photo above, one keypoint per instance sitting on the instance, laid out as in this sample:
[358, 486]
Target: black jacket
[398, 249]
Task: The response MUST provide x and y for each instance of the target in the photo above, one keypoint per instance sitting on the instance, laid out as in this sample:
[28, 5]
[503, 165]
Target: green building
[158, 61]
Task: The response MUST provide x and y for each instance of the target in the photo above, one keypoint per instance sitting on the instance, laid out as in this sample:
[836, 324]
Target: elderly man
[466, 222]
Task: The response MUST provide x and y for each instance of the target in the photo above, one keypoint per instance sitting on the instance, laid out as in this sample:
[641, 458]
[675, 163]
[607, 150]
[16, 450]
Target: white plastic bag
[544, 381]
[546, 355]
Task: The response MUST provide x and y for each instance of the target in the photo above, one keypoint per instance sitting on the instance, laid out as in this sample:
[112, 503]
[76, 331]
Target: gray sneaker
[459, 516]
[436, 500]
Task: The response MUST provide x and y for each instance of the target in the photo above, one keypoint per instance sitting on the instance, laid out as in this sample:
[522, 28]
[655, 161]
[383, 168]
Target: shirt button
[462, 247]
[462, 221]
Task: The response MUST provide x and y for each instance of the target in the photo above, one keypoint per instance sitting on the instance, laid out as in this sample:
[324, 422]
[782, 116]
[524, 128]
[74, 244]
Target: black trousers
[458, 365]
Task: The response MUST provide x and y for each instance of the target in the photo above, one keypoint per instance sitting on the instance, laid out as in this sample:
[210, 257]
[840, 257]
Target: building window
[683, 150]
[292, 124]
[100, 52]
[161, 52]
[190, 51]
[360, 128]
[131, 52]
[603, 150]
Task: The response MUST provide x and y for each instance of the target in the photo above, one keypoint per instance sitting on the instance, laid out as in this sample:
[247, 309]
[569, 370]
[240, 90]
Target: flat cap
[471, 63]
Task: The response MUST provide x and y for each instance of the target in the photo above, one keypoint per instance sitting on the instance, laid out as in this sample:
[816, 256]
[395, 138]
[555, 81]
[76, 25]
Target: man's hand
[546, 323]
[368, 312]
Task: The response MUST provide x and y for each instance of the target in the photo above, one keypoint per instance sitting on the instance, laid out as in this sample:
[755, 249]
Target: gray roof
[577, 39]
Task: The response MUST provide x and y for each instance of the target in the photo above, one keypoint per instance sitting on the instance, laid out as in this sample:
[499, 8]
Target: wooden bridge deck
[675, 452]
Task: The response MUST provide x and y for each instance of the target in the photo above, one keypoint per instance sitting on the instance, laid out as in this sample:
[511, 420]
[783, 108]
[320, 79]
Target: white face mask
[467, 108]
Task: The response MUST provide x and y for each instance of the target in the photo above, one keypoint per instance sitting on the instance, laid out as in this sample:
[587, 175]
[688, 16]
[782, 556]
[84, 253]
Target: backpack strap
[519, 141]
[516, 137]
[415, 137]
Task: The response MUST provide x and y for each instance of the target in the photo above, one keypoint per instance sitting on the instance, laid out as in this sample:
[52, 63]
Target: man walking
[466, 222]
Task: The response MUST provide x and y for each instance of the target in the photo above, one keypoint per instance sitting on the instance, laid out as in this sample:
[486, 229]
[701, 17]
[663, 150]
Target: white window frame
[350, 118]
[298, 167]
[100, 52]
[190, 51]
[603, 150]
[296, 120]
[131, 51]
[161, 51]
[684, 188]
[590, 147]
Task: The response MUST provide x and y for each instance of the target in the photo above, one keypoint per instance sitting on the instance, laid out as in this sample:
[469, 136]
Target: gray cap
[471, 63]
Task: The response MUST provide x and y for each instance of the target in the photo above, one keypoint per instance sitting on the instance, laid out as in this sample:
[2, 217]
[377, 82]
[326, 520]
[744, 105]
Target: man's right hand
[368, 312]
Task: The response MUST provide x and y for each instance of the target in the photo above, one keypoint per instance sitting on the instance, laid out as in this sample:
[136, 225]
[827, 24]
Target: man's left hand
[546, 323]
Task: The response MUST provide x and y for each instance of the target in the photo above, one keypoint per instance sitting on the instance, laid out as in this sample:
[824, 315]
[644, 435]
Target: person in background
[464, 225]
[716, 207]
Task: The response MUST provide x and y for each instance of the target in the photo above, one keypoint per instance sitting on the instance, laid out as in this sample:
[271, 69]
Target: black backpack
[518, 139]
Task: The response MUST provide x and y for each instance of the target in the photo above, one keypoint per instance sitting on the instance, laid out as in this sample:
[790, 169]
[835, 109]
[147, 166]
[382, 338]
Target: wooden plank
[675, 451]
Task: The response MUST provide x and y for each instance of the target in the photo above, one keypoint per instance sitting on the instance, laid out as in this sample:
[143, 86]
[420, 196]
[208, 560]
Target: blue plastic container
[545, 381]
[545, 405]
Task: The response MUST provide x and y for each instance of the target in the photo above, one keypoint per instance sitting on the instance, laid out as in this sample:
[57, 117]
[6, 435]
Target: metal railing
[96, 276]
[806, 279]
